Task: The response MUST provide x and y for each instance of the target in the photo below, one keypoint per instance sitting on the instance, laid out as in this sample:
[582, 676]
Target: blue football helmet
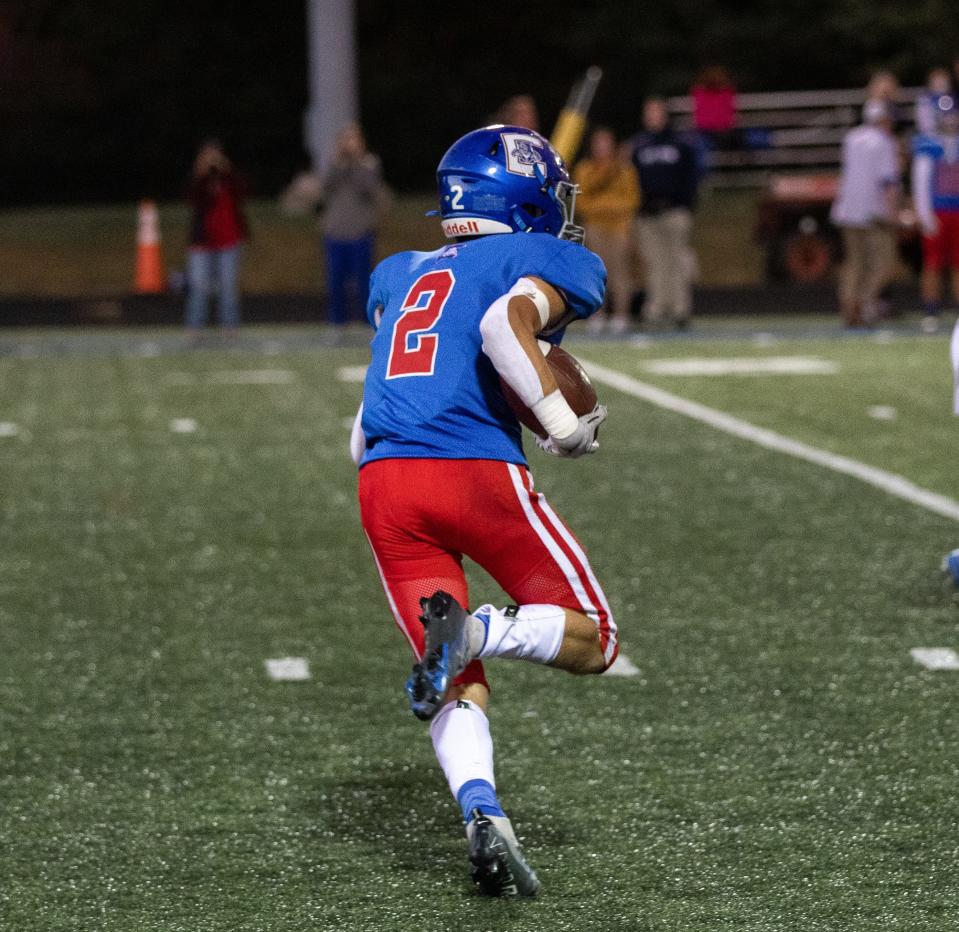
[506, 179]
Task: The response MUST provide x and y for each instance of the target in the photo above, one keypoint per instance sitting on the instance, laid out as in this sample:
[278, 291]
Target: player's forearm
[524, 321]
[892, 195]
[509, 330]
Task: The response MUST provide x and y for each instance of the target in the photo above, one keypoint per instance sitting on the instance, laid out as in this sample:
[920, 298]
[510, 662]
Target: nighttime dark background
[107, 100]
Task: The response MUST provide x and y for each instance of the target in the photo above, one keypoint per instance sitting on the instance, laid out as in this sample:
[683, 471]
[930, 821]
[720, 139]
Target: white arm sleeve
[504, 350]
[514, 366]
[357, 437]
[922, 191]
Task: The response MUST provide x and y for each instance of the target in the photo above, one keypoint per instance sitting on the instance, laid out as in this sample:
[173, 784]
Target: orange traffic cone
[149, 273]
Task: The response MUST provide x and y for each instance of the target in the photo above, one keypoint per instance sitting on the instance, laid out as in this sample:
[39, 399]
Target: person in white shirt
[865, 211]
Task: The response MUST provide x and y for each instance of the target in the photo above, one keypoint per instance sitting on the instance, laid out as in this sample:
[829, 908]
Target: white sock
[530, 632]
[464, 749]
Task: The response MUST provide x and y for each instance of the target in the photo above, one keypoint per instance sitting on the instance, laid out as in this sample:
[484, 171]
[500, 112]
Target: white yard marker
[622, 666]
[149, 349]
[288, 668]
[351, 373]
[936, 658]
[882, 412]
[764, 339]
[883, 336]
[9, 429]
[747, 365]
[253, 377]
[183, 425]
[878, 478]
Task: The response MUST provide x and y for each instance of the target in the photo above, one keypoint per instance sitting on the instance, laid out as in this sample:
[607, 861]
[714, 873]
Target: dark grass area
[89, 252]
[780, 763]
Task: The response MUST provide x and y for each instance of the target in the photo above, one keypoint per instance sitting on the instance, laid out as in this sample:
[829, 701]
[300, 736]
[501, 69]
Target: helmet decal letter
[523, 152]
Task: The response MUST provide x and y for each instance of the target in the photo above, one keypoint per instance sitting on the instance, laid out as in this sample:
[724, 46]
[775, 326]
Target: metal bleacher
[789, 131]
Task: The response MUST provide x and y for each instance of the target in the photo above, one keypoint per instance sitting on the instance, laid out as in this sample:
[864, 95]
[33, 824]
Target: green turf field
[780, 763]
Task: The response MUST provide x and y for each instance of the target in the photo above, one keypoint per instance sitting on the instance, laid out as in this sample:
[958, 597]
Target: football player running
[442, 470]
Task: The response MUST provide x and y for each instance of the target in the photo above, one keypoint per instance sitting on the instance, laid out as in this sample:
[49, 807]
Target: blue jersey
[944, 153]
[430, 390]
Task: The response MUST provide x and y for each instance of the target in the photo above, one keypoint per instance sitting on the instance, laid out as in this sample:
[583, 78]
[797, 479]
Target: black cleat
[449, 648]
[497, 865]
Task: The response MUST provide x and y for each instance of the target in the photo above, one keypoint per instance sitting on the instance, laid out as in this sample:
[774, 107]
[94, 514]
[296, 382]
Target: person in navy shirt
[443, 474]
[669, 174]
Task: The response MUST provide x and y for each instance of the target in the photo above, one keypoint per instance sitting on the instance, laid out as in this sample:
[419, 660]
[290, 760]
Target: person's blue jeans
[210, 270]
[348, 262]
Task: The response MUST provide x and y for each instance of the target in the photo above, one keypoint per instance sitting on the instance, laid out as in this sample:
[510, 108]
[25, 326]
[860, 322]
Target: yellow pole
[571, 124]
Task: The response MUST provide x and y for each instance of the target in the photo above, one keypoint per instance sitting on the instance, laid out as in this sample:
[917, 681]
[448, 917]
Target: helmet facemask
[563, 194]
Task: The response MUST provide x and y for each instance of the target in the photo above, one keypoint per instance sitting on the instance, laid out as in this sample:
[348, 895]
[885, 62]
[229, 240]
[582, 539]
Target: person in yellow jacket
[608, 201]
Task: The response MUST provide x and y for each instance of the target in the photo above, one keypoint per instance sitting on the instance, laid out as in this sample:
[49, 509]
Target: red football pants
[941, 250]
[423, 515]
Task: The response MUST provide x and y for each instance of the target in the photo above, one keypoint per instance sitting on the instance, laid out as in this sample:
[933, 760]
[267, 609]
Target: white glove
[581, 441]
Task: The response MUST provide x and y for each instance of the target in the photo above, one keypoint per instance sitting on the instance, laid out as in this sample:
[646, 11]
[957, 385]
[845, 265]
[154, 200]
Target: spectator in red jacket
[714, 107]
[217, 233]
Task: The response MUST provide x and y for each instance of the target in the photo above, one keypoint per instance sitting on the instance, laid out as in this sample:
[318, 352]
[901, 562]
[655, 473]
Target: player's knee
[591, 663]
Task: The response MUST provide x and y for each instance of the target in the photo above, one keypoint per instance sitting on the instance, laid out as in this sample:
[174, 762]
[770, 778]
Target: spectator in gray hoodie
[353, 196]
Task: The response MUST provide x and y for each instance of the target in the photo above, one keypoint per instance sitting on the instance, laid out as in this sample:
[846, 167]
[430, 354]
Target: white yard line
[183, 425]
[748, 365]
[351, 373]
[878, 478]
[253, 377]
[233, 377]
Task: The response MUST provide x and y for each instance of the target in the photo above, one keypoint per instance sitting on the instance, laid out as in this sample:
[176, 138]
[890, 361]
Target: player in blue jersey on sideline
[935, 189]
[442, 469]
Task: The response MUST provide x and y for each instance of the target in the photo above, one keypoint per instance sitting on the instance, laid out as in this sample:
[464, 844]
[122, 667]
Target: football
[572, 380]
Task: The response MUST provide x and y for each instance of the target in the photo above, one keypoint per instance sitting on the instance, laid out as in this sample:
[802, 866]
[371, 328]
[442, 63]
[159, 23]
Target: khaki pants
[613, 248]
[869, 265]
[668, 261]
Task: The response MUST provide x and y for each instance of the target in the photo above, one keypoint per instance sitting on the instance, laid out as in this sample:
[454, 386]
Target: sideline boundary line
[888, 482]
